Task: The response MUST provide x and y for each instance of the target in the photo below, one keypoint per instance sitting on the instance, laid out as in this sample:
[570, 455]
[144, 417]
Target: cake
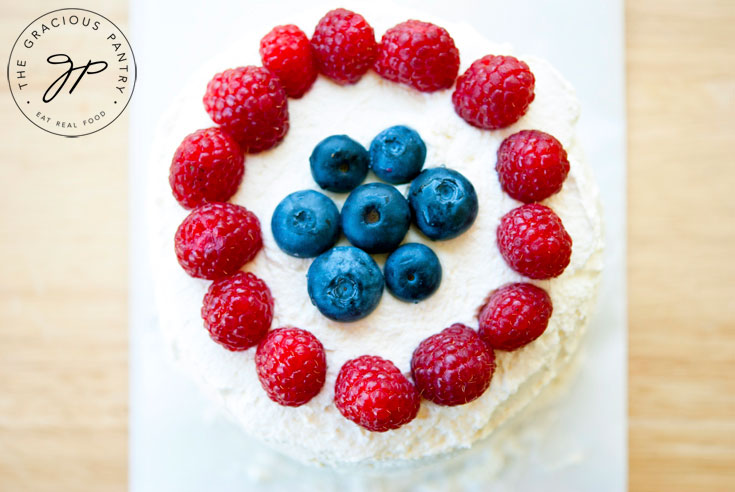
[316, 431]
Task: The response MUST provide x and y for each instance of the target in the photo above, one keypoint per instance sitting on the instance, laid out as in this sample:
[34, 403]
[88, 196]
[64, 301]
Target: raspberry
[494, 92]
[533, 241]
[250, 104]
[238, 311]
[453, 367]
[418, 54]
[373, 393]
[216, 239]
[532, 165]
[207, 167]
[291, 366]
[344, 46]
[515, 315]
[286, 52]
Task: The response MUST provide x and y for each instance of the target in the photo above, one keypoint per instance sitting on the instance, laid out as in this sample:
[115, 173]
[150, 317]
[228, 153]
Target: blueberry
[338, 163]
[305, 224]
[376, 217]
[443, 202]
[345, 283]
[397, 154]
[413, 272]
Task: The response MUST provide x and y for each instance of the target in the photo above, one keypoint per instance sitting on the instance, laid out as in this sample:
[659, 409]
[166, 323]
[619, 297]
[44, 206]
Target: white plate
[180, 442]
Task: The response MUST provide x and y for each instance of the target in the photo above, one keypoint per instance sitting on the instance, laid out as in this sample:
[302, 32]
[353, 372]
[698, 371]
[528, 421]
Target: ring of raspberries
[250, 106]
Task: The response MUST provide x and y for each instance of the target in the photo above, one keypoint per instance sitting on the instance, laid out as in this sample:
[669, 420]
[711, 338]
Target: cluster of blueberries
[344, 282]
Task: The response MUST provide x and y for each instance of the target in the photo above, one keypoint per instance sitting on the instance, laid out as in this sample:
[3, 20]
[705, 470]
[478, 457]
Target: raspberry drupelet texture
[216, 239]
[418, 54]
[514, 316]
[344, 46]
[532, 165]
[373, 393]
[453, 367]
[291, 365]
[238, 311]
[286, 52]
[250, 104]
[494, 92]
[207, 167]
[533, 241]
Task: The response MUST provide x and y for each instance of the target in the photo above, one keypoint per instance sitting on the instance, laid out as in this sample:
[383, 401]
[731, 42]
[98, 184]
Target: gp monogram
[71, 72]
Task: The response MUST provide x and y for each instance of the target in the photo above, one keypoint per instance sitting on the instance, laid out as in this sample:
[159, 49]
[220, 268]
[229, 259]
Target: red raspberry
[238, 311]
[418, 54]
[372, 392]
[344, 46]
[207, 167]
[532, 165]
[291, 366]
[286, 52]
[250, 104]
[494, 92]
[533, 241]
[216, 239]
[453, 367]
[515, 315]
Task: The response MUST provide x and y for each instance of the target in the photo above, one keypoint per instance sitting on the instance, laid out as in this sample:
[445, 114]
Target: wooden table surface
[63, 269]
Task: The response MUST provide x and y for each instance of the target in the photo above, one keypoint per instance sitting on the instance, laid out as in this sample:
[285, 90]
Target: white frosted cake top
[471, 263]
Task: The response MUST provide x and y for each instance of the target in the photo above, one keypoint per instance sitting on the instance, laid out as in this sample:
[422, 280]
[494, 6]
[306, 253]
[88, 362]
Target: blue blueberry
[397, 154]
[305, 224]
[413, 272]
[376, 217]
[345, 283]
[443, 202]
[338, 163]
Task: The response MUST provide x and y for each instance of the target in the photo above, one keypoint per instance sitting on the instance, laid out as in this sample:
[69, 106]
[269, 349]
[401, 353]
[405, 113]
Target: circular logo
[71, 72]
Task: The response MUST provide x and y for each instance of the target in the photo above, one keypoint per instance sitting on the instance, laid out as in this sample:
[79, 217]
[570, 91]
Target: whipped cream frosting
[472, 265]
